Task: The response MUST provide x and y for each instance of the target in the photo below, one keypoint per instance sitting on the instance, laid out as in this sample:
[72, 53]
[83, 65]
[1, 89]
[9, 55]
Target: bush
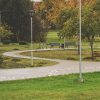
[1, 60]
[22, 43]
[15, 49]
[15, 59]
[6, 41]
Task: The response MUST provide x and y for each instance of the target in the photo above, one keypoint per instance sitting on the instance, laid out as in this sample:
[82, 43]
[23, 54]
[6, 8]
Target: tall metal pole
[0, 21]
[80, 40]
[31, 40]
[0, 16]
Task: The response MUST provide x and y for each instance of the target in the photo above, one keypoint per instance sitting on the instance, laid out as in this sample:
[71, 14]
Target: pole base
[81, 80]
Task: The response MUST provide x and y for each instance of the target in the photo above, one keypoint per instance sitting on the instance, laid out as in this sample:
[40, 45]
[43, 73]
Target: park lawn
[52, 37]
[9, 62]
[65, 87]
[70, 54]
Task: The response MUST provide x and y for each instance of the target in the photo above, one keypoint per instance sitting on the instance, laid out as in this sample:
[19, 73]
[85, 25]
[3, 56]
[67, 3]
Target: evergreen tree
[15, 13]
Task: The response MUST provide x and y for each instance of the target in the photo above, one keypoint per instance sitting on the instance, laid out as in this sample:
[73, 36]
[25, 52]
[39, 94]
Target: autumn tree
[50, 10]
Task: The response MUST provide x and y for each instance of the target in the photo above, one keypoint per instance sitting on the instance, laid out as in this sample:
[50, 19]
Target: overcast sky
[37, 0]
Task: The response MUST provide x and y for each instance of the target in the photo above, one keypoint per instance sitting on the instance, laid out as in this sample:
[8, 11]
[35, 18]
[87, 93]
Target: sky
[37, 0]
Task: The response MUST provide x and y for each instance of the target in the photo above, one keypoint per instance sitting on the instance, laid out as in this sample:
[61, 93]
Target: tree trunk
[91, 45]
[92, 51]
[78, 47]
[17, 37]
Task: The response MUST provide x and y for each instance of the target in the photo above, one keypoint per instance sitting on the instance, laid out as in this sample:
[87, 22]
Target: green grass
[66, 54]
[53, 88]
[52, 37]
[16, 46]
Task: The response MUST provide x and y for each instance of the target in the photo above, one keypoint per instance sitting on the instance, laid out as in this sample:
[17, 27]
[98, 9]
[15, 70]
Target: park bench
[70, 44]
[54, 44]
[67, 44]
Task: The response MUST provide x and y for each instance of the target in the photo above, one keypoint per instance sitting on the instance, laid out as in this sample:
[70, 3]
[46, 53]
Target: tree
[15, 13]
[5, 32]
[50, 10]
[54, 7]
[90, 25]
[39, 29]
[68, 23]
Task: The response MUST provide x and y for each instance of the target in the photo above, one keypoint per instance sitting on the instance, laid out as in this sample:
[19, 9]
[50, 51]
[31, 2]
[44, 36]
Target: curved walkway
[63, 67]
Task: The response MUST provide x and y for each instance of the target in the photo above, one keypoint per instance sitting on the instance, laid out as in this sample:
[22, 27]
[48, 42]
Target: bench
[54, 44]
[67, 44]
[70, 44]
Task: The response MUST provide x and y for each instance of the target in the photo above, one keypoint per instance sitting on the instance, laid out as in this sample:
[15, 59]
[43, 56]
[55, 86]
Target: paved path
[63, 67]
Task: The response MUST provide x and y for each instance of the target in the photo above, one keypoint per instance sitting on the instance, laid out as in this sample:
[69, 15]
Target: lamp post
[31, 15]
[31, 12]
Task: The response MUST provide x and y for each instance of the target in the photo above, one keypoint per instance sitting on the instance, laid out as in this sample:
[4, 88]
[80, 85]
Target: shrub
[16, 59]
[15, 49]
[6, 41]
[1, 60]
[22, 43]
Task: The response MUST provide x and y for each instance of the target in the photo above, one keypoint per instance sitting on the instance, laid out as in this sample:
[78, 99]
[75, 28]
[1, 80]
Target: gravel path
[63, 67]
